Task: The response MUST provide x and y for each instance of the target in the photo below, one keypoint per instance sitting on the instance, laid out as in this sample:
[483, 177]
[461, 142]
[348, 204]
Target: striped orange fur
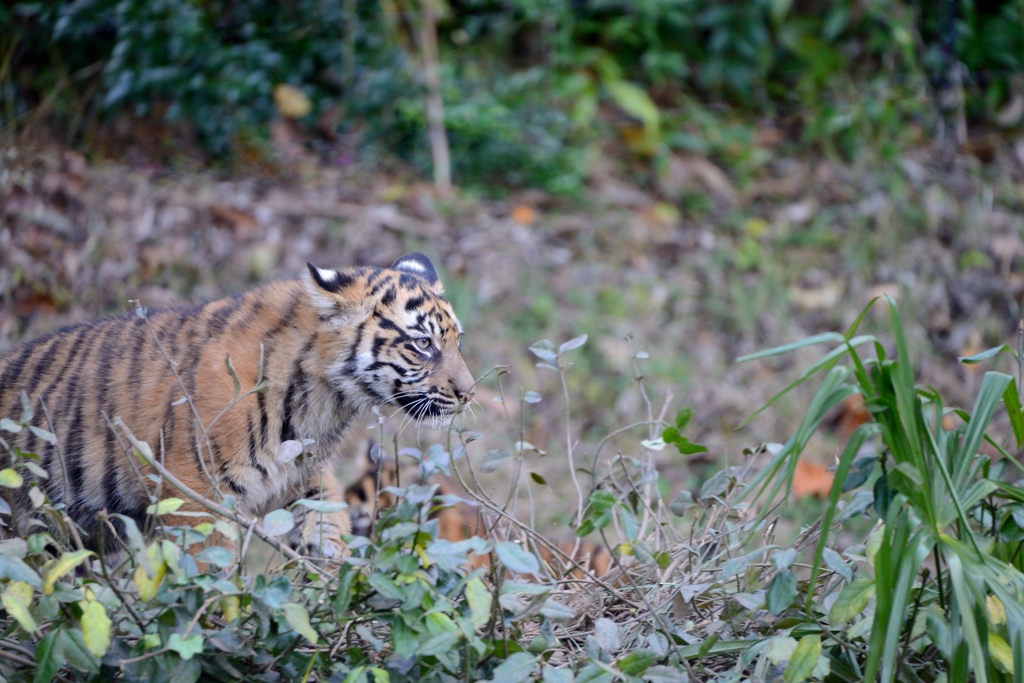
[334, 345]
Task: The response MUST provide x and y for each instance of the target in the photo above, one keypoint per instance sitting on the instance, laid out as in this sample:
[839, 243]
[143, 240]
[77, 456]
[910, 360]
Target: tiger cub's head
[390, 337]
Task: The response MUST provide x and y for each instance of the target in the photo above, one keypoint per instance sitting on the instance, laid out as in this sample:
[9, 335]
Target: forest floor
[700, 266]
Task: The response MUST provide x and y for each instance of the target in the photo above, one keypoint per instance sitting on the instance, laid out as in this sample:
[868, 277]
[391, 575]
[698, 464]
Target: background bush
[526, 81]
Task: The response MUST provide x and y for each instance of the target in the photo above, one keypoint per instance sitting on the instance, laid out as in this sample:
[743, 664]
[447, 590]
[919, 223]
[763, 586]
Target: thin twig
[236, 517]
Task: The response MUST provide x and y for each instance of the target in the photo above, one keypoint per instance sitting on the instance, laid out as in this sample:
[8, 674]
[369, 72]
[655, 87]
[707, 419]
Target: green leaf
[480, 602]
[984, 355]
[322, 506]
[635, 101]
[518, 667]
[49, 658]
[438, 644]
[186, 671]
[217, 556]
[852, 600]
[805, 658]
[592, 673]
[72, 645]
[781, 592]
[298, 619]
[516, 558]
[556, 611]
[278, 522]
[665, 674]
[1001, 652]
[538, 478]
[10, 479]
[549, 674]
[54, 570]
[489, 463]
[17, 598]
[276, 593]
[42, 434]
[544, 350]
[185, 647]
[95, 626]
[637, 662]
[681, 503]
[1014, 412]
[386, 586]
[573, 343]
[165, 506]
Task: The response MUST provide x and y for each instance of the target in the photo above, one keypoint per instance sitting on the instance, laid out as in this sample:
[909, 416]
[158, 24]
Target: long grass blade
[827, 362]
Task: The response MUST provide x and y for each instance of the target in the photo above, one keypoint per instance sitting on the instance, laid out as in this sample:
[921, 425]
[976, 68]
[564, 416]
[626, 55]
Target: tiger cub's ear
[338, 297]
[419, 265]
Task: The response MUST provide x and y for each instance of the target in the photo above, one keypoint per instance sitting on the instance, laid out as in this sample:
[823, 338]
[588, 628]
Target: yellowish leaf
[57, 569]
[1001, 652]
[291, 102]
[17, 598]
[852, 600]
[996, 610]
[147, 584]
[165, 506]
[805, 659]
[95, 625]
[298, 619]
[231, 607]
[10, 479]
[480, 601]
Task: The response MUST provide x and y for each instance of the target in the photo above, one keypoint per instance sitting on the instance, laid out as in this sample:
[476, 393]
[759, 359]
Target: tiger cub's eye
[422, 343]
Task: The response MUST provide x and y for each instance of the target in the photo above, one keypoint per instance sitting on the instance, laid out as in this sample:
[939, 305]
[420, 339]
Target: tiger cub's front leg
[318, 534]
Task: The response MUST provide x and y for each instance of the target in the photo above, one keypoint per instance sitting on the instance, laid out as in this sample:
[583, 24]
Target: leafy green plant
[935, 582]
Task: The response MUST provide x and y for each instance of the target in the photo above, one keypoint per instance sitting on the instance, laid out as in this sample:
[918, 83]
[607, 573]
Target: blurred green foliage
[528, 83]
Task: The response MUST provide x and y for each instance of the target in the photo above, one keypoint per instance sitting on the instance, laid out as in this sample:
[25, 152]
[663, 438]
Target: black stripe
[140, 330]
[261, 401]
[44, 363]
[253, 460]
[170, 421]
[414, 302]
[13, 372]
[360, 328]
[219, 319]
[287, 430]
[44, 396]
[104, 377]
[299, 377]
[235, 487]
[385, 323]
[75, 455]
[74, 436]
[389, 297]
[374, 275]
[252, 313]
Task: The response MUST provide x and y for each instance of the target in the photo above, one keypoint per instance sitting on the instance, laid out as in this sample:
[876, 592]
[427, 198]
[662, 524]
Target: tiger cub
[331, 347]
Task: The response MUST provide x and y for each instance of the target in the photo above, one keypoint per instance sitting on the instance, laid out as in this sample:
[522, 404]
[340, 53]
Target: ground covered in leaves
[700, 267]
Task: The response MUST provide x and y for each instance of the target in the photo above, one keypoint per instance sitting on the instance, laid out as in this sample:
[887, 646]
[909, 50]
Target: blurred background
[707, 177]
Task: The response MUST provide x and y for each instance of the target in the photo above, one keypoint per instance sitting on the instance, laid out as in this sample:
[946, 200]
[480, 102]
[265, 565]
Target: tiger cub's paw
[321, 536]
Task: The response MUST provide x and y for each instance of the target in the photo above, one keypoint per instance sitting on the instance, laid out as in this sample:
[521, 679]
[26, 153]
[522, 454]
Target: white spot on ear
[327, 275]
[411, 264]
